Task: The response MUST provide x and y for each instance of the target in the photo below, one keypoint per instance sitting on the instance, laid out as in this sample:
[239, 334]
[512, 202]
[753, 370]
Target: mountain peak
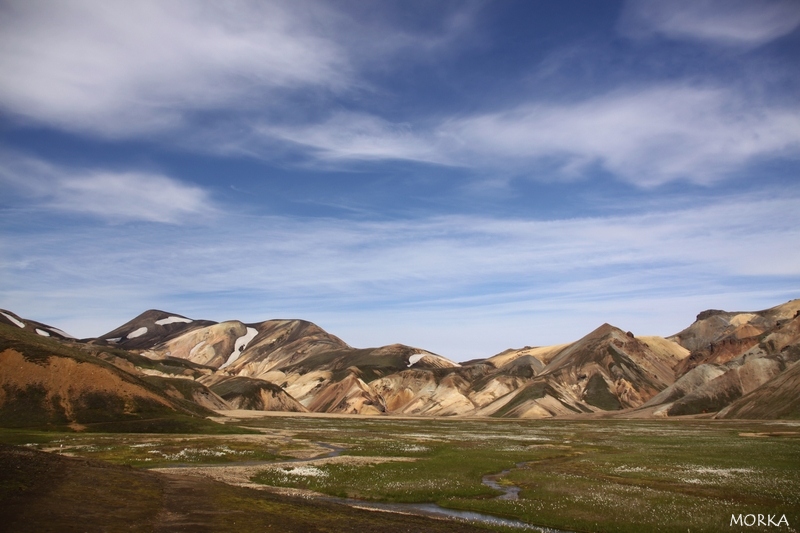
[604, 330]
[149, 328]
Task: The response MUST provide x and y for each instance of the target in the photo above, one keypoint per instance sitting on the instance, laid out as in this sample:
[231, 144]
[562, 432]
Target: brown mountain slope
[713, 326]
[607, 369]
[730, 386]
[349, 394]
[777, 398]
[43, 330]
[721, 337]
[687, 383]
[539, 399]
[250, 349]
[630, 370]
[425, 392]
[212, 345]
[543, 354]
[45, 383]
[720, 352]
[282, 343]
[764, 358]
[782, 340]
[254, 394]
[317, 369]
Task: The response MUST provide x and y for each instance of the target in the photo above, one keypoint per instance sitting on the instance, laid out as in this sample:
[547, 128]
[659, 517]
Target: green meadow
[576, 475]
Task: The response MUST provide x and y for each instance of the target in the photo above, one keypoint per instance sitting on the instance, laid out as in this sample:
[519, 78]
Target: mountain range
[725, 364]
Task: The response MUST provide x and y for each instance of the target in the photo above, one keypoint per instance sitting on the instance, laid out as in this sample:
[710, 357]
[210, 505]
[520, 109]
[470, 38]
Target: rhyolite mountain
[734, 355]
[47, 383]
[732, 364]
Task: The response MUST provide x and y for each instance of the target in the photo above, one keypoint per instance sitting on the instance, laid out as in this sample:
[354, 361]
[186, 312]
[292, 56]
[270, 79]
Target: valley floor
[575, 475]
[46, 492]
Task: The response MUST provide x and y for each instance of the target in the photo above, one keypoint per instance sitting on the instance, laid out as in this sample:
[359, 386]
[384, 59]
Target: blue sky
[460, 176]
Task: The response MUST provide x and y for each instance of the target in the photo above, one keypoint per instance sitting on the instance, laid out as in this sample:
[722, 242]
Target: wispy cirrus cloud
[130, 196]
[727, 22]
[359, 137]
[647, 136]
[118, 196]
[126, 68]
[454, 267]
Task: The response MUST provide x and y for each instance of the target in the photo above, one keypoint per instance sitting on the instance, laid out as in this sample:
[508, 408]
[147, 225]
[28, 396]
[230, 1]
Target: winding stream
[435, 511]
[509, 492]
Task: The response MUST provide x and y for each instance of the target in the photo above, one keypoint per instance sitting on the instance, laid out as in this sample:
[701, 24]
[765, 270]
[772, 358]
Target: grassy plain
[579, 475]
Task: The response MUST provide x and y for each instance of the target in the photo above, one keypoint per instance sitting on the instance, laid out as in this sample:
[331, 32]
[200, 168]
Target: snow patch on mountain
[42, 332]
[240, 345]
[172, 320]
[417, 357]
[14, 320]
[414, 359]
[137, 333]
[59, 332]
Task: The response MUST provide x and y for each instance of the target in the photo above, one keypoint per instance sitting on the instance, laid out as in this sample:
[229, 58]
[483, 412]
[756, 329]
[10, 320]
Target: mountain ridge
[295, 365]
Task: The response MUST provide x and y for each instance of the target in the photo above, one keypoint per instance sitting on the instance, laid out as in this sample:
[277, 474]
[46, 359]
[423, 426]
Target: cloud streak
[125, 69]
[727, 22]
[116, 196]
[359, 137]
[454, 266]
[120, 69]
[646, 136]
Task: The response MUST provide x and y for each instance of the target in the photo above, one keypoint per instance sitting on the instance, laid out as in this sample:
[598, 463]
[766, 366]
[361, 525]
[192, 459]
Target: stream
[435, 511]
[509, 492]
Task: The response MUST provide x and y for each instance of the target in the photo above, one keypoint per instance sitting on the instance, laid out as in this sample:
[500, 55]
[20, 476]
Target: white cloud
[727, 22]
[359, 136]
[131, 196]
[121, 68]
[647, 136]
[110, 195]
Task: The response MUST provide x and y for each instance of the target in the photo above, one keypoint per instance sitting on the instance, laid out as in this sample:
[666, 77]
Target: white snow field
[137, 333]
[172, 320]
[14, 320]
[240, 345]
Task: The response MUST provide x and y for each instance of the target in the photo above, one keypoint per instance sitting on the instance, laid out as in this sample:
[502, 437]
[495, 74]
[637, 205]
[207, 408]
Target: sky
[463, 177]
